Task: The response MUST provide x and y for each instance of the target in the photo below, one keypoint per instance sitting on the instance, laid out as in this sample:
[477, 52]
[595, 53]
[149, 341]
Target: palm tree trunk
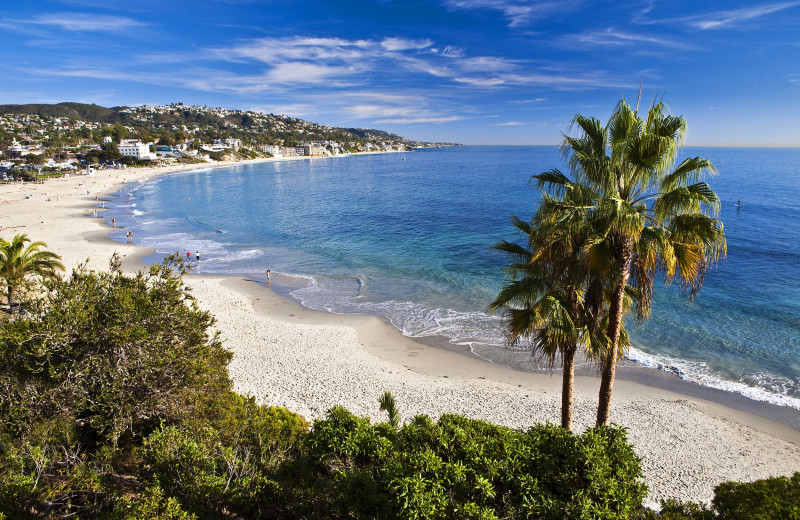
[623, 253]
[567, 384]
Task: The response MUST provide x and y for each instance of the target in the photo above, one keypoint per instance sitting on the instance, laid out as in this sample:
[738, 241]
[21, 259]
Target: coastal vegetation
[601, 237]
[116, 403]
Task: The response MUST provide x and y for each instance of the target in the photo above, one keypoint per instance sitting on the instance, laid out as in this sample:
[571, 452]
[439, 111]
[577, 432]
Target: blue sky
[470, 71]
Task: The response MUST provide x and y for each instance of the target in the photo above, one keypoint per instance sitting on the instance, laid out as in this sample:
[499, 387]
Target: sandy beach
[309, 361]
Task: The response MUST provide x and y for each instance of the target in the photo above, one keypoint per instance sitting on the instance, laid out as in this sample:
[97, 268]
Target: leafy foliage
[118, 353]
[464, 468]
[777, 497]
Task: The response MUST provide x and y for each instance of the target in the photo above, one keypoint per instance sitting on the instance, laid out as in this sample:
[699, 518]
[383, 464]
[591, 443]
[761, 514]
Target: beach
[309, 361]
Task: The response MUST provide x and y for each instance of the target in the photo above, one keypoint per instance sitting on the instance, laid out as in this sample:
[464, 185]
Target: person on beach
[196, 256]
[127, 237]
[269, 278]
[188, 256]
[113, 222]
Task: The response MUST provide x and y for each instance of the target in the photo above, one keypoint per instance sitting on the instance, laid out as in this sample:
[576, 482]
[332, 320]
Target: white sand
[309, 361]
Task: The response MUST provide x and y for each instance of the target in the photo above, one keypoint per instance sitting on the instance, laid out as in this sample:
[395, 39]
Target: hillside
[214, 122]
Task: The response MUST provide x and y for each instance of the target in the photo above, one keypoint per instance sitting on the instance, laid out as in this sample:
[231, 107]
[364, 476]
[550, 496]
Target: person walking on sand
[269, 278]
[113, 222]
[127, 237]
[196, 256]
[188, 256]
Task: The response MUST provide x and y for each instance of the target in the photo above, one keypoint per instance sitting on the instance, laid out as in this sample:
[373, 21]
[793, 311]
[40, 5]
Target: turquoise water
[409, 240]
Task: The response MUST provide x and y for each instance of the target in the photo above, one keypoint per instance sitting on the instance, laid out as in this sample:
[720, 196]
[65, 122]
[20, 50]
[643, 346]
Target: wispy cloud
[724, 19]
[404, 44]
[83, 22]
[518, 12]
[614, 37]
[288, 109]
[727, 18]
[510, 123]
[429, 120]
[342, 62]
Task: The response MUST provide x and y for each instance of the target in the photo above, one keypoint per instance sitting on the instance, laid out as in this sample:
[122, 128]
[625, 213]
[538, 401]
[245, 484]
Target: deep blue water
[410, 240]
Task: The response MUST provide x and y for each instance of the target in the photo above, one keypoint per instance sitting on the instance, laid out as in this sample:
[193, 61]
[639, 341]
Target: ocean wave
[759, 387]
[482, 334]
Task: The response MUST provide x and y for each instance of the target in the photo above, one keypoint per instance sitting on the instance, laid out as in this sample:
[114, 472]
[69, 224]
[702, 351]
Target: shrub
[465, 468]
[117, 353]
[766, 499]
[18, 491]
[776, 498]
[271, 432]
[152, 504]
[210, 471]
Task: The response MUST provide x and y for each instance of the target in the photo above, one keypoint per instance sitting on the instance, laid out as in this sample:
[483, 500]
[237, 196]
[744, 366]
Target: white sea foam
[483, 335]
[699, 372]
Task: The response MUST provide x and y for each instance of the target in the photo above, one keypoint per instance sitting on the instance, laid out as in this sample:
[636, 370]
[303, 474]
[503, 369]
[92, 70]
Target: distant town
[51, 140]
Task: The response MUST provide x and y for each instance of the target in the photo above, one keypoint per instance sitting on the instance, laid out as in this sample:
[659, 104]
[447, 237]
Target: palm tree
[646, 215]
[18, 263]
[544, 298]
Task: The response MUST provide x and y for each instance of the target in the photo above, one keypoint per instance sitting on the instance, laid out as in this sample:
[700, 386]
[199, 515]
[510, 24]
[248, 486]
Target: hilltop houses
[172, 133]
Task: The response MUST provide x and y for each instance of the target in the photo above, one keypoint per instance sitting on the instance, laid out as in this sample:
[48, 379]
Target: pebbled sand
[309, 361]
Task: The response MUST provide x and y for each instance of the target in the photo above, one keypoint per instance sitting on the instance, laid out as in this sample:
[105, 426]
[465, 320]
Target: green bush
[232, 469]
[18, 491]
[465, 468]
[776, 498]
[152, 504]
[766, 499]
[118, 354]
[271, 432]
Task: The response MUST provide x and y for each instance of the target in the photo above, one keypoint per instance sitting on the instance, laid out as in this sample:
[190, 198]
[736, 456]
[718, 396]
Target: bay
[408, 236]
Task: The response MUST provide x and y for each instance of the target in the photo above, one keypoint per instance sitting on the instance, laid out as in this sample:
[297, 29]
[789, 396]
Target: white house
[136, 149]
[272, 149]
[233, 144]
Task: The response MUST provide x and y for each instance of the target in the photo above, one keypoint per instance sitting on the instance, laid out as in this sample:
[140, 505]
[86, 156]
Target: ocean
[407, 236]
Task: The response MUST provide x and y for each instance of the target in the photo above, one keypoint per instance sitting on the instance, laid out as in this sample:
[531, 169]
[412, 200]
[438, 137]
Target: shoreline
[287, 355]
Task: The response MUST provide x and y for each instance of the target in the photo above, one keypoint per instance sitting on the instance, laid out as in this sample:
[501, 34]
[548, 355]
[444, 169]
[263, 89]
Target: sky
[466, 71]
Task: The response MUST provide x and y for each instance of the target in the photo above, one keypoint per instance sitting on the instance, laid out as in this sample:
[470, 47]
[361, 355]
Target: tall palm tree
[18, 263]
[647, 214]
[540, 302]
[555, 296]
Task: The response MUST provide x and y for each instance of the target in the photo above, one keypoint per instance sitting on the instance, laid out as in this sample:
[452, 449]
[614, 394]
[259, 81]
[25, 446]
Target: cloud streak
[614, 37]
[80, 22]
[724, 19]
[518, 12]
